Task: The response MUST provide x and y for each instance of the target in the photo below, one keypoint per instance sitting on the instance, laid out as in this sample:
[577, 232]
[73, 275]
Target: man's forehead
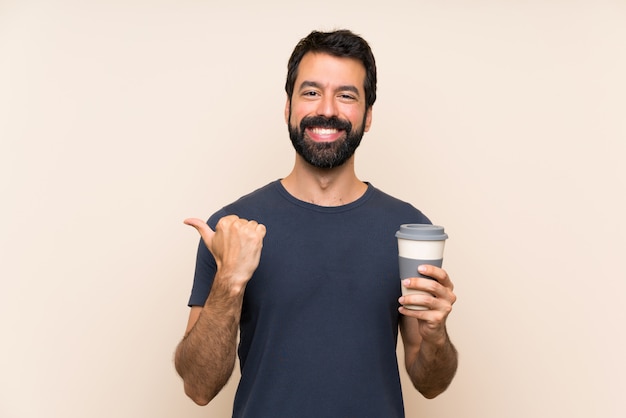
[323, 69]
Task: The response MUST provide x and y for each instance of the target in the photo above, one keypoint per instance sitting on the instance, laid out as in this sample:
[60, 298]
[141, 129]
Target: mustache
[323, 122]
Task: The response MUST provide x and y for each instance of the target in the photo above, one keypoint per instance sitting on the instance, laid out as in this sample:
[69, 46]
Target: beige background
[502, 120]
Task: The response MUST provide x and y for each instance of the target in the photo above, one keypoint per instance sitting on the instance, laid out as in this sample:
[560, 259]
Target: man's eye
[347, 97]
[310, 93]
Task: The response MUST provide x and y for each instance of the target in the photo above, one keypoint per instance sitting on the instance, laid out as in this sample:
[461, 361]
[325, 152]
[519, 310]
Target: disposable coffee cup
[419, 244]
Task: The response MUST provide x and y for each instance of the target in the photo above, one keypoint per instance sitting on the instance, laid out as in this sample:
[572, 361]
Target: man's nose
[327, 106]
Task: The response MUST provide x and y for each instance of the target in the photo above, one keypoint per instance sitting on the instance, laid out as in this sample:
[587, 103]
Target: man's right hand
[236, 246]
[205, 357]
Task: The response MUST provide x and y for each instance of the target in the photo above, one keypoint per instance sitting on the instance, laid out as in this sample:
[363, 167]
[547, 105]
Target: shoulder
[251, 205]
[395, 206]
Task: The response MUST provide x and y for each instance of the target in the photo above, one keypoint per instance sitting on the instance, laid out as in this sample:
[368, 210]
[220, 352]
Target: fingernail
[406, 282]
[421, 269]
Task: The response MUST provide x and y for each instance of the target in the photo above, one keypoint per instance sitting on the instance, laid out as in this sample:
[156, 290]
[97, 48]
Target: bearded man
[305, 270]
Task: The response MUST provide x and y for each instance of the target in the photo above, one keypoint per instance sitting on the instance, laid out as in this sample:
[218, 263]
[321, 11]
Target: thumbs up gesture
[236, 246]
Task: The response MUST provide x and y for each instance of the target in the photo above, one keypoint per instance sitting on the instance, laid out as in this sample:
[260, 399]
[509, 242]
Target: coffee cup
[419, 244]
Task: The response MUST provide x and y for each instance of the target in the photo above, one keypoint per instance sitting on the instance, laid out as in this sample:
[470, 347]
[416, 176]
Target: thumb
[201, 226]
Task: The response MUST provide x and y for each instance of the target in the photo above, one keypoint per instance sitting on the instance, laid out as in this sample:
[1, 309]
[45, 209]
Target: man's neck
[324, 187]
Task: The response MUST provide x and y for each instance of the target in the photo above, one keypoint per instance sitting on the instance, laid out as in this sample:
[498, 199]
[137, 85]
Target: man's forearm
[434, 368]
[205, 357]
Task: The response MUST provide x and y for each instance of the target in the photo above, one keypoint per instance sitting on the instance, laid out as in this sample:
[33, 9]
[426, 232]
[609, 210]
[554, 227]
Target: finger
[436, 273]
[201, 226]
[252, 226]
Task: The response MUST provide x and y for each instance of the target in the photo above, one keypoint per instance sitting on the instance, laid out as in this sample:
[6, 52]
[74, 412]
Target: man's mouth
[319, 134]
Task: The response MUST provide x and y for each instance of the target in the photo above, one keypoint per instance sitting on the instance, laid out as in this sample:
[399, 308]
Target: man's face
[326, 115]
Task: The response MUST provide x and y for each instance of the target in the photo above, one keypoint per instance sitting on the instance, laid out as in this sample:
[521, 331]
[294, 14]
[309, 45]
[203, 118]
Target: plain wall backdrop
[504, 121]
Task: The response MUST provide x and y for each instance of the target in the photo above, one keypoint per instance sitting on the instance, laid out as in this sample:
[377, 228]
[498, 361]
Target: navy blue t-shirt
[319, 322]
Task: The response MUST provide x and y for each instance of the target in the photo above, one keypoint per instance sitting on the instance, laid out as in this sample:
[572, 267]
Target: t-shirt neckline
[329, 209]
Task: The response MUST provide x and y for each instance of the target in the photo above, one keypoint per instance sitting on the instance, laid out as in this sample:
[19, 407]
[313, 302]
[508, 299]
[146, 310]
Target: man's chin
[324, 162]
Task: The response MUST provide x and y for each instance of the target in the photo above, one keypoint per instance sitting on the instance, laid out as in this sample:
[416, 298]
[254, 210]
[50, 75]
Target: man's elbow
[430, 394]
[198, 396]
[431, 390]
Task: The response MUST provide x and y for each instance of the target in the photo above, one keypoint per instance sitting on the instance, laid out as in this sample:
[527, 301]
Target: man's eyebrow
[306, 84]
[317, 85]
[350, 88]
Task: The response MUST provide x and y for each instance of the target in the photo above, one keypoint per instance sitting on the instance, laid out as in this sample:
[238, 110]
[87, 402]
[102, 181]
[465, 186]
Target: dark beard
[325, 154]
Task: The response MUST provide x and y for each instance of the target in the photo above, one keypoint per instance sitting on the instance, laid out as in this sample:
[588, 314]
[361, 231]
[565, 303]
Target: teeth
[324, 131]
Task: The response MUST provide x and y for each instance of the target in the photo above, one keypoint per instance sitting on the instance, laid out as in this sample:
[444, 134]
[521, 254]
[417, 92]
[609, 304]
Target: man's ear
[368, 119]
[287, 106]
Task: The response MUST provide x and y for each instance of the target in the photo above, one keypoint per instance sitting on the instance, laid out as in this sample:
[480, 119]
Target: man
[306, 269]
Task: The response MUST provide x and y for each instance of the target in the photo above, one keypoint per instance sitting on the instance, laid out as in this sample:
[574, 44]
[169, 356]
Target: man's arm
[206, 355]
[430, 357]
